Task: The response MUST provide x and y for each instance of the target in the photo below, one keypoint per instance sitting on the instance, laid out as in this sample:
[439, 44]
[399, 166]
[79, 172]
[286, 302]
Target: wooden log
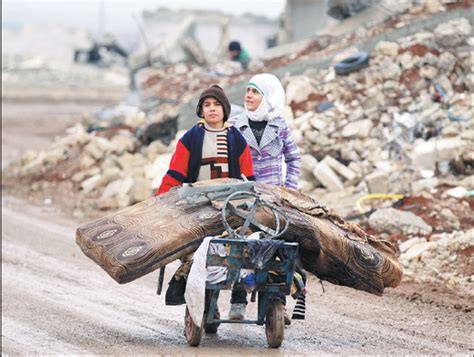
[144, 237]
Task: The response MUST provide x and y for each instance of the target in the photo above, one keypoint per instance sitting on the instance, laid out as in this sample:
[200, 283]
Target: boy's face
[253, 98]
[213, 113]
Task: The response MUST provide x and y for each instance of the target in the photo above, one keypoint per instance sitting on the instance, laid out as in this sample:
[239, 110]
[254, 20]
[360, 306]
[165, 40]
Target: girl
[271, 143]
[267, 132]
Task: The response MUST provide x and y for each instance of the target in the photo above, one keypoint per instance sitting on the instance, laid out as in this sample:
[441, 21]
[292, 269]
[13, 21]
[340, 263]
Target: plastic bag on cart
[196, 285]
[261, 251]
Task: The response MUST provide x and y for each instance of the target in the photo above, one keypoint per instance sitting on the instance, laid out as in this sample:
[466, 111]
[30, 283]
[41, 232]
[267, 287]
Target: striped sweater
[187, 160]
[276, 146]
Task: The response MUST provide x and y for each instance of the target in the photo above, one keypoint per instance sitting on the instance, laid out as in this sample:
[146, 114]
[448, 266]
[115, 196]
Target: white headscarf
[273, 97]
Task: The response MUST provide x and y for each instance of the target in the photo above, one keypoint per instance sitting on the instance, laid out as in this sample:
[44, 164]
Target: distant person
[239, 54]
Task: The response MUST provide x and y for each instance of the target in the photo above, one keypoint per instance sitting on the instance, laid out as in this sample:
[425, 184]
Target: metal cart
[273, 277]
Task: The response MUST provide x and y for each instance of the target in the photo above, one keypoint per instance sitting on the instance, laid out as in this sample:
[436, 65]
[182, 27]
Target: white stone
[394, 221]
[387, 48]
[452, 33]
[457, 192]
[298, 89]
[450, 131]
[469, 81]
[137, 120]
[308, 164]
[107, 203]
[156, 171]
[427, 153]
[446, 62]
[94, 150]
[156, 148]
[121, 144]
[428, 72]
[287, 113]
[28, 157]
[298, 137]
[434, 6]
[140, 191]
[342, 170]
[406, 60]
[418, 249]
[427, 184]
[91, 183]
[306, 117]
[431, 114]
[311, 136]
[127, 161]
[123, 201]
[327, 177]
[356, 114]
[305, 186]
[109, 174]
[118, 188]
[359, 129]
[468, 182]
[377, 182]
[447, 215]
[404, 246]
[318, 123]
[389, 69]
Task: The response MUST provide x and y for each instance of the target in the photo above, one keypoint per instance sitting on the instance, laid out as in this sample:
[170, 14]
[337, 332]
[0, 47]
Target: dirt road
[57, 301]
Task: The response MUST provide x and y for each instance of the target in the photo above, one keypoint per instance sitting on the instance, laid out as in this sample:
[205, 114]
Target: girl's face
[253, 98]
[213, 113]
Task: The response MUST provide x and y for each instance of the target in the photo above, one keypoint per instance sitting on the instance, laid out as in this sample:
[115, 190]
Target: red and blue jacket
[186, 160]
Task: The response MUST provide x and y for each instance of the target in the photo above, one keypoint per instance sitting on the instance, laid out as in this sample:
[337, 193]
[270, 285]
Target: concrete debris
[327, 177]
[394, 221]
[377, 182]
[457, 192]
[387, 48]
[442, 260]
[339, 168]
[298, 89]
[453, 33]
[427, 154]
[358, 129]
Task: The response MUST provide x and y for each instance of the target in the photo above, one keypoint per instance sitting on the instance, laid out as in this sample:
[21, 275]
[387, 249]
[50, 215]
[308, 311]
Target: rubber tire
[211, 328]
[275, 324]
[192, 332]
[352, 63]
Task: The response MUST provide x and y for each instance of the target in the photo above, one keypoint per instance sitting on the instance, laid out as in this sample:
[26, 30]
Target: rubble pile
[176, 83]
[435, 232]
[396, 126]
[401, 125]
[445, 258]
[331, 40]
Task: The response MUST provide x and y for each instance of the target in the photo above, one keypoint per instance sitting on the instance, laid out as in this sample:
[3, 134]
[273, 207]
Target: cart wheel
[192, 332]
[275, 324]
[211, 328]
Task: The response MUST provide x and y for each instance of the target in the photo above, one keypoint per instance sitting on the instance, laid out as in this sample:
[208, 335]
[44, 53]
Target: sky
[118, 13]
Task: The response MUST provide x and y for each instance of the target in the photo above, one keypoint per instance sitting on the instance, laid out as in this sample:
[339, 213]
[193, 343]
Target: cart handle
[249, 216]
